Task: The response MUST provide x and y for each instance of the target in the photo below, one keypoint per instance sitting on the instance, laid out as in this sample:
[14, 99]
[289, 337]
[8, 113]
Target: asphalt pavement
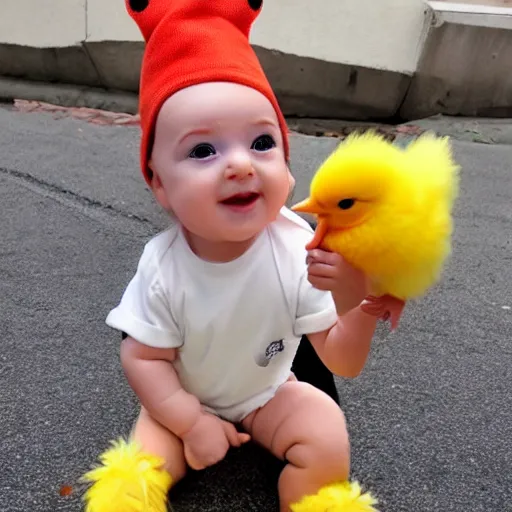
[430, 417]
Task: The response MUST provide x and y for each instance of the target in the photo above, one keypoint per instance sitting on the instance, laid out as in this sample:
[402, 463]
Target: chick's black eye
[264, 143]
[202, 151]
[138, 5]
[346, 204]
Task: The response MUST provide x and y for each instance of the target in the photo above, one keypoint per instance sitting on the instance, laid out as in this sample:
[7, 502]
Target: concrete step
[356, 60]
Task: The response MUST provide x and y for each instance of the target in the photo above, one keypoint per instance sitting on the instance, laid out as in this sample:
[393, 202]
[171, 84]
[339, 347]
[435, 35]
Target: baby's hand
[208, 441]
[329, 271]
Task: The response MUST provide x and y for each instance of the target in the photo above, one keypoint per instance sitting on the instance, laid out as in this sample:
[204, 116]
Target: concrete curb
[478, 130]
[91, 115]
[68, 95]
[91, 72]
[463, 70]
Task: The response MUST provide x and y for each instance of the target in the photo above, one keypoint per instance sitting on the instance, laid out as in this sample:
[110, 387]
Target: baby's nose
[239, 166]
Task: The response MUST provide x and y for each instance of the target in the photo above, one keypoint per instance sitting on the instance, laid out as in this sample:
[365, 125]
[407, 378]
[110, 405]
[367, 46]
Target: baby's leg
[157, 440]
[305, 427]
[135, 479]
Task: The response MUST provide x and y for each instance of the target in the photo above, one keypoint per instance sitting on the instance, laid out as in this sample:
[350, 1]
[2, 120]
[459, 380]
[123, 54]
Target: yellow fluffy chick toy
[388, 211]
[128, 480]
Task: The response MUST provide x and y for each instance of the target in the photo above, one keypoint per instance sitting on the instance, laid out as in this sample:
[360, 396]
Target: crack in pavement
[105, 213]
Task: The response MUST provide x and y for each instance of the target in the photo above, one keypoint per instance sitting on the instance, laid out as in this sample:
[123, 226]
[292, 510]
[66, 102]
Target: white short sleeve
[143, 312]
[316, 310]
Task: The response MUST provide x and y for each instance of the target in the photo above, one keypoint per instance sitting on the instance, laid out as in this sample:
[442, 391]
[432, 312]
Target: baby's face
[219, 162]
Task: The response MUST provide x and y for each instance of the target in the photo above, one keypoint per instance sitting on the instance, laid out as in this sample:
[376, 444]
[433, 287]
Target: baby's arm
[152, 376]
[344, 348]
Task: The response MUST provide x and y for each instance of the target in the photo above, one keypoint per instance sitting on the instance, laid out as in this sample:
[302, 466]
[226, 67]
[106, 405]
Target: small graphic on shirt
[271, 351]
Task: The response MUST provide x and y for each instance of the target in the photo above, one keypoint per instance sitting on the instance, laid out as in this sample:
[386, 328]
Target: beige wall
[495, 3]
[383, 34]
[43, 23]
[107, 20]
[472, 14]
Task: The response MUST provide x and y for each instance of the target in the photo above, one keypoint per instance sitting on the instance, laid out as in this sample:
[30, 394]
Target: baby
[219, 302]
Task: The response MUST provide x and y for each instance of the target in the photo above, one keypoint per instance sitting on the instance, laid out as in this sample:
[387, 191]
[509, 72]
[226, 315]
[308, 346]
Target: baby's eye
[202, 151]
[264, 143]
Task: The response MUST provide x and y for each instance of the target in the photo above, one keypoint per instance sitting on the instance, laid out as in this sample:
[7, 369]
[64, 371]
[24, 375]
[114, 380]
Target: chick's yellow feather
[341, 497]
[128, 480]
[388, 210]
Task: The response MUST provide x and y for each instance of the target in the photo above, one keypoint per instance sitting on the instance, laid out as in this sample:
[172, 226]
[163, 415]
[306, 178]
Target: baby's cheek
[192, 205]
[282, 186]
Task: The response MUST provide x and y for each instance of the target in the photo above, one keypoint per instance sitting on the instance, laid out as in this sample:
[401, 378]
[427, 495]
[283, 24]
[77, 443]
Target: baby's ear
[291, 182]
[158, 189]
[291, 179]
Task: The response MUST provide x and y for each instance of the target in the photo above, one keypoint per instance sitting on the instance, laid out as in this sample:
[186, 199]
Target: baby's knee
[320, 440]
[327, 457]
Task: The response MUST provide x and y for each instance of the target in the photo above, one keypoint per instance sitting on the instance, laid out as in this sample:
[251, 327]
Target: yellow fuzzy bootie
[341, 497]
[128, 480]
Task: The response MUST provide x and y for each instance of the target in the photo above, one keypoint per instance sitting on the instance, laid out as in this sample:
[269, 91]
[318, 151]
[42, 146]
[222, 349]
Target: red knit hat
[190, 42]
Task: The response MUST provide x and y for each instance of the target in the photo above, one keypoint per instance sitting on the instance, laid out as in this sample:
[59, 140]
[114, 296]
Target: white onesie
[237, 325]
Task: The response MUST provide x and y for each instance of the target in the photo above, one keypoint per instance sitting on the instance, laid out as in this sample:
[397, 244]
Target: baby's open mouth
[243, 199]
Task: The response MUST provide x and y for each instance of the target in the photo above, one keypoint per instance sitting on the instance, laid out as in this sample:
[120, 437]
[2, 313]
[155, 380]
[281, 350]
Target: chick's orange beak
[307, 206]
[311, 206]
